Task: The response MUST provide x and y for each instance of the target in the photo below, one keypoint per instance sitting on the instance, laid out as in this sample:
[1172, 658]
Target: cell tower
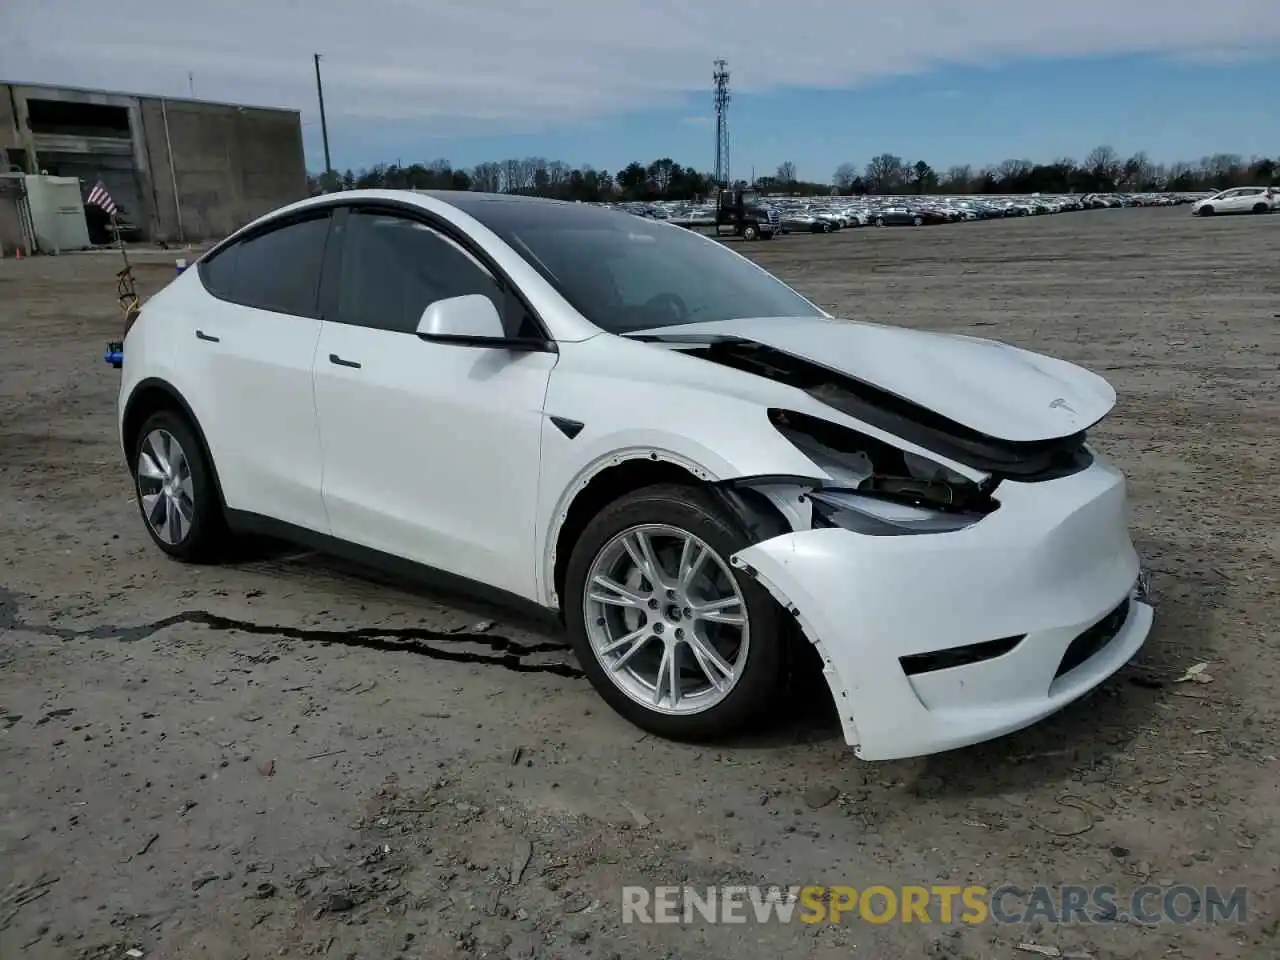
[721, 78]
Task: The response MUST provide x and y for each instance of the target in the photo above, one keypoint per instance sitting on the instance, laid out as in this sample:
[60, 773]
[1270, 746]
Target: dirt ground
[283, 758]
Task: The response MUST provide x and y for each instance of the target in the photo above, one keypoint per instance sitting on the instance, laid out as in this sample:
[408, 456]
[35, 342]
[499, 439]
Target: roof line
[146, 96]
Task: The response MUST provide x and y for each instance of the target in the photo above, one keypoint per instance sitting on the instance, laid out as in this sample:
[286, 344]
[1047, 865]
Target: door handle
[334, 358]
[201, 335]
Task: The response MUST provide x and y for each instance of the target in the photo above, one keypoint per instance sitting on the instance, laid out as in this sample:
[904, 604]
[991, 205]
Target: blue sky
[1040, 110]
[815, 82]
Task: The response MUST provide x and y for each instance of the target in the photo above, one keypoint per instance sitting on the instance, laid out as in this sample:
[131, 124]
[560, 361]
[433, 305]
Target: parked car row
[827, 214]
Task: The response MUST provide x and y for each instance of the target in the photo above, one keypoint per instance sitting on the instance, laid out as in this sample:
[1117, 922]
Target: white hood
[995, 389]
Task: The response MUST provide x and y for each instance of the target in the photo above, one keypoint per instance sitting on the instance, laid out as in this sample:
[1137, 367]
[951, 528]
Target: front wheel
[750, 232]
[879, 221]
[918, 221]
[667, 632]
[1206, 211]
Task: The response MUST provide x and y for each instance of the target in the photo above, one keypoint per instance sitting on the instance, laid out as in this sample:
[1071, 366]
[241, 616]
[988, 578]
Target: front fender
[567, 470]
[633, 401]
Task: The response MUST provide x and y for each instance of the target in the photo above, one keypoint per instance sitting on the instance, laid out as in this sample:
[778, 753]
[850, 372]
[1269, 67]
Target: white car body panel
[254, 379]
[449, 455]
[967, 379]
[404, 470]
[1052, 561]
[602, 381]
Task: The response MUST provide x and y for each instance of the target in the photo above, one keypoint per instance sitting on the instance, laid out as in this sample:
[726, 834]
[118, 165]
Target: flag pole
[124, 279]
[115, 228]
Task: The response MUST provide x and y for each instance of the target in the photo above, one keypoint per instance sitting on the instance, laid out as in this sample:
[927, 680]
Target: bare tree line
[1103, 170]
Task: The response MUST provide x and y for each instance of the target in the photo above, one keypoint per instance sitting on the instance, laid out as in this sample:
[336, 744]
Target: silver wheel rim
[164, 487]
[666, 619]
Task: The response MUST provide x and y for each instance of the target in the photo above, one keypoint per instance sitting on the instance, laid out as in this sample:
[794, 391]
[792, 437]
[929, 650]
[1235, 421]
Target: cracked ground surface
[285, 757]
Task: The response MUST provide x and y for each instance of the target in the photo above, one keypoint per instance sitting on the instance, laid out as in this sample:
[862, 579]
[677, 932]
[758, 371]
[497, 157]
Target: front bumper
[1054, 561]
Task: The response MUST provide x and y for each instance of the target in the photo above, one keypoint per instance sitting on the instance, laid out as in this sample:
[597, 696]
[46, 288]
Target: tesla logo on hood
[1061, 404]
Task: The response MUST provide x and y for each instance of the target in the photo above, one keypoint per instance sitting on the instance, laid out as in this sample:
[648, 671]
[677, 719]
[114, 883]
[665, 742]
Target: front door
[431, 451]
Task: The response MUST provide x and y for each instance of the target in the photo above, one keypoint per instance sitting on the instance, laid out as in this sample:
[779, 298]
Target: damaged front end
[1024, 460]
[946, 607]
[875, 488]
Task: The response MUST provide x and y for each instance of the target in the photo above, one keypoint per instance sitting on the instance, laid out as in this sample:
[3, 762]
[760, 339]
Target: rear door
[253, 343]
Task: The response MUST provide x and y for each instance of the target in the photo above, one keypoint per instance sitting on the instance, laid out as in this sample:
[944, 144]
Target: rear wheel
[879, 221]
[918, 221]
[1261, 208]
[667, 632]
[175, 489]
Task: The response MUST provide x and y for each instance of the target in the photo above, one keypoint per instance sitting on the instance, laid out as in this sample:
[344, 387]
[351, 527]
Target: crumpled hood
[998, 390]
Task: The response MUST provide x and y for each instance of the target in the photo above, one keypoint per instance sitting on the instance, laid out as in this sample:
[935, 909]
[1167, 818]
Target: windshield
[624, 273]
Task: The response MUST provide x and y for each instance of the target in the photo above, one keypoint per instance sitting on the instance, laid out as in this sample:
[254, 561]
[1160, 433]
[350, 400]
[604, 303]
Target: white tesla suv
[632, 426]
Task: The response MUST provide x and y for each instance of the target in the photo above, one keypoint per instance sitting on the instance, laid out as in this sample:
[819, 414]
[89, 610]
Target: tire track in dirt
[506, 653]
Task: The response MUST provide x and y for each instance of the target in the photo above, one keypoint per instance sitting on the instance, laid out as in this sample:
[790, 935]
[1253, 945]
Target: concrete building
[183, 170]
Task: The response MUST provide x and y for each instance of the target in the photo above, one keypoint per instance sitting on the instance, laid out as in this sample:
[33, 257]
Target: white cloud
[522, 63]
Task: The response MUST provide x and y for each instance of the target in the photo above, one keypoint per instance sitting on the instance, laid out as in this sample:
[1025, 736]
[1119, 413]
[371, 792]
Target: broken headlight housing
[877, 489]
[879, 517]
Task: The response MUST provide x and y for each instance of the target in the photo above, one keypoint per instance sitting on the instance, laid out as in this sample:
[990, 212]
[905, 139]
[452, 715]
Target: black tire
[1261, 208]
[1207, 211]
[879, 221]
[765, 672]
[206, 537]
[750, 232]
[918, 221]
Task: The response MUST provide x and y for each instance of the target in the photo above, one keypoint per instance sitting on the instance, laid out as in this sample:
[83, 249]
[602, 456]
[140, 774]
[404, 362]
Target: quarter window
[277, 271]
[393, 268]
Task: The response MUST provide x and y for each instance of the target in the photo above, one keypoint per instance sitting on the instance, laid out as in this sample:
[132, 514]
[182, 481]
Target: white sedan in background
[1236, 200]
[632, 427]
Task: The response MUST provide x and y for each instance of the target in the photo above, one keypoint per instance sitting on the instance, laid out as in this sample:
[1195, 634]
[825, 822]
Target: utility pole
[722, 98]
[324, 126]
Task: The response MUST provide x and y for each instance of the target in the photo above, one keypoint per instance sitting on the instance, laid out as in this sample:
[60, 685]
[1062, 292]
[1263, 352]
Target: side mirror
[469, 318]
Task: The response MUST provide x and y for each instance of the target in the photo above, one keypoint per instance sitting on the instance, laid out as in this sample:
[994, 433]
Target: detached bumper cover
[1053, 562]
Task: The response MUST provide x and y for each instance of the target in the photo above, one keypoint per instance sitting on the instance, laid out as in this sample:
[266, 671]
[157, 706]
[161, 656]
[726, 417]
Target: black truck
[749, 218]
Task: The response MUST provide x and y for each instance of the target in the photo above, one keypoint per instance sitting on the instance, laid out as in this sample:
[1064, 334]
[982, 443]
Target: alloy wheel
[165, 487]
[666, 619]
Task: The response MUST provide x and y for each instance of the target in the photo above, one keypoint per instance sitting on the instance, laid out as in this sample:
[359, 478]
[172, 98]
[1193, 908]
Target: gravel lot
[282, 757]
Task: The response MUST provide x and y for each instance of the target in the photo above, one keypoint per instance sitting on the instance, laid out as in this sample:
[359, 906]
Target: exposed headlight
[876, 489]
[879, 517]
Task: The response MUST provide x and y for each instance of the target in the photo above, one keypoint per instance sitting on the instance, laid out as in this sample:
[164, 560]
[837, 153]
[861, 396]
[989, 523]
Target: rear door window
[277, 271]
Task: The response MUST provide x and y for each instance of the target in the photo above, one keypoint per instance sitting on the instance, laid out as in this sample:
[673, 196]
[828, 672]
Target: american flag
[98, 197]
